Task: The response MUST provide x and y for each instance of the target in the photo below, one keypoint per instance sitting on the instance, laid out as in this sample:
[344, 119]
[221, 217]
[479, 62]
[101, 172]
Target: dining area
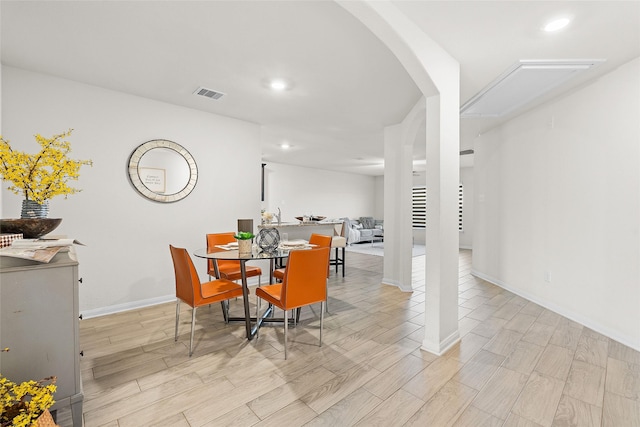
[135, 373]
[297, 276]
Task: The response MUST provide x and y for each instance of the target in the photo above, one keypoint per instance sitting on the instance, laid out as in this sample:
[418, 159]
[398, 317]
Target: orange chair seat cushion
[279, 273]
[271, 294]
[236, 274]
[220, 290]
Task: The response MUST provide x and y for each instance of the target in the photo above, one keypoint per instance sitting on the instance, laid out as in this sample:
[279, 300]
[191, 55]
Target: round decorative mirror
[163, 171]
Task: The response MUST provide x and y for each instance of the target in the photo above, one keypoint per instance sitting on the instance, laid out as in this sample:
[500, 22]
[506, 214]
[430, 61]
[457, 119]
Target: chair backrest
[216, 239]
[187, 280]
[305, 277]
[320, 240]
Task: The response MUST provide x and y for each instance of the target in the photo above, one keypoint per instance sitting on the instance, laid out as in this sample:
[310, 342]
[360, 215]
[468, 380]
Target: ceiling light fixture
[278, 85]
[557, 24]
[285, 146]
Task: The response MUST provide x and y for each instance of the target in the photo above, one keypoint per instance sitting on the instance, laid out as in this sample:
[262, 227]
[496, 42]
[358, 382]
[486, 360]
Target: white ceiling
[346, 86]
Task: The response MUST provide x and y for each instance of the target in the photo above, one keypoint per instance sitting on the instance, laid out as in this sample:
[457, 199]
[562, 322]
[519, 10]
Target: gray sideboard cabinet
[39, 323]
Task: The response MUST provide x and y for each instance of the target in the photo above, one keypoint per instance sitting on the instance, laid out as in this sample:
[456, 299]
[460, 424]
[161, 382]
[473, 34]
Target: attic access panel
[521, 84]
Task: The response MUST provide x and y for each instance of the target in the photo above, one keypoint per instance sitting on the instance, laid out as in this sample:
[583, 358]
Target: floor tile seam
[462, 410]
[573, 360]
[636, 376]
[637, 365]
[566, 384]
[413, 394]
[555, 412]
[95, 378]
[635, 401]
[98, 397]
[137, 409]
[488, 381]
[342, 377]
[363, 416]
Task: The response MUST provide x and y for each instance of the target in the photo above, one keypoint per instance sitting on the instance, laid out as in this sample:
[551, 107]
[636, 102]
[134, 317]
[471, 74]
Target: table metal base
[265, 318]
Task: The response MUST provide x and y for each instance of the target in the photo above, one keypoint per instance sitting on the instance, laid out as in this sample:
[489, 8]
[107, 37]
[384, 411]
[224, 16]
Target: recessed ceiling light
[557, 24]
[278, 85]
[285, 146]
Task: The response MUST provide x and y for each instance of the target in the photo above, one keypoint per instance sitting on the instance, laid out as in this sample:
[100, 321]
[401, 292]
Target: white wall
[468, 190]
[298, 191]
[558, 197]
[126, 261]
[379, 198]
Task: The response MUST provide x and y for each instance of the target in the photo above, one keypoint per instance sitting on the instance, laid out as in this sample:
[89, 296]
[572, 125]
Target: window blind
[460, 197]
[419, 207]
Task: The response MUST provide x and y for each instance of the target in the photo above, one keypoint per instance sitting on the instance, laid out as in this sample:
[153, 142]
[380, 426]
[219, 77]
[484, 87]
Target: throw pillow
[367, 222]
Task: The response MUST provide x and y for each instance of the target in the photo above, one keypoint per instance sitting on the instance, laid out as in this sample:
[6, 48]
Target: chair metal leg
[177, 318]
[326, 304]
[321, 320]
[257, 316]
[344, 261]
[225, 310]
[286, 326]
[193, 324]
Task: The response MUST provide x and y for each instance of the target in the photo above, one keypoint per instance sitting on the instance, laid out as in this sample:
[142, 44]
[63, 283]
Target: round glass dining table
[217, 253]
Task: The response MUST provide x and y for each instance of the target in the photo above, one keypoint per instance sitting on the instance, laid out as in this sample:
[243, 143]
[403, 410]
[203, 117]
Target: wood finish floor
[518, 364]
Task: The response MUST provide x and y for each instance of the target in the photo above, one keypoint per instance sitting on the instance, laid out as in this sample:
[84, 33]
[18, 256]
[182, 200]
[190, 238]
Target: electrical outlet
[547, 277]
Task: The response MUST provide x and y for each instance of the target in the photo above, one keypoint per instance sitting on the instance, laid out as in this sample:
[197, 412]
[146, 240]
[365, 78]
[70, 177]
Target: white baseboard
[133, 305]
[440, 348]
[390, 282]
[118, 308]
[563, 311]
[395, 283]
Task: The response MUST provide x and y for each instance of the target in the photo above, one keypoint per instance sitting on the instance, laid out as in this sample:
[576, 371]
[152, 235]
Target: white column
[441, 281]
[397, 195]
[437, 74]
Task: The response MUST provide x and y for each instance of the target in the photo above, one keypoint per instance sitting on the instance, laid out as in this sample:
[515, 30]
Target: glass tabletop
[233, 254]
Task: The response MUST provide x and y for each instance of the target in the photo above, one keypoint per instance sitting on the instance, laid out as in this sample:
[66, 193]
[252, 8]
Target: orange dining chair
[229, 269]
[320, 241]
[191, 291]
[304, 283]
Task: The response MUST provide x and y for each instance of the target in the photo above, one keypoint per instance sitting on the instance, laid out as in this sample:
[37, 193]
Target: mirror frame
[134, 177]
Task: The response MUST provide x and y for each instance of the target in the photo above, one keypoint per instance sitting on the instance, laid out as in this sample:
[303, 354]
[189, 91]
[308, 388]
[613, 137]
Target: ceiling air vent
[522, 83]
[208, 93]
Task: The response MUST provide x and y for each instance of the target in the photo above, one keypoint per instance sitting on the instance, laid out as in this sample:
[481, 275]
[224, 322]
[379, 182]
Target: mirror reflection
[162, 170]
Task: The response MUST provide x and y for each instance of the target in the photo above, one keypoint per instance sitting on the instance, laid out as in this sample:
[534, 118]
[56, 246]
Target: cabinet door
[39, 326]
